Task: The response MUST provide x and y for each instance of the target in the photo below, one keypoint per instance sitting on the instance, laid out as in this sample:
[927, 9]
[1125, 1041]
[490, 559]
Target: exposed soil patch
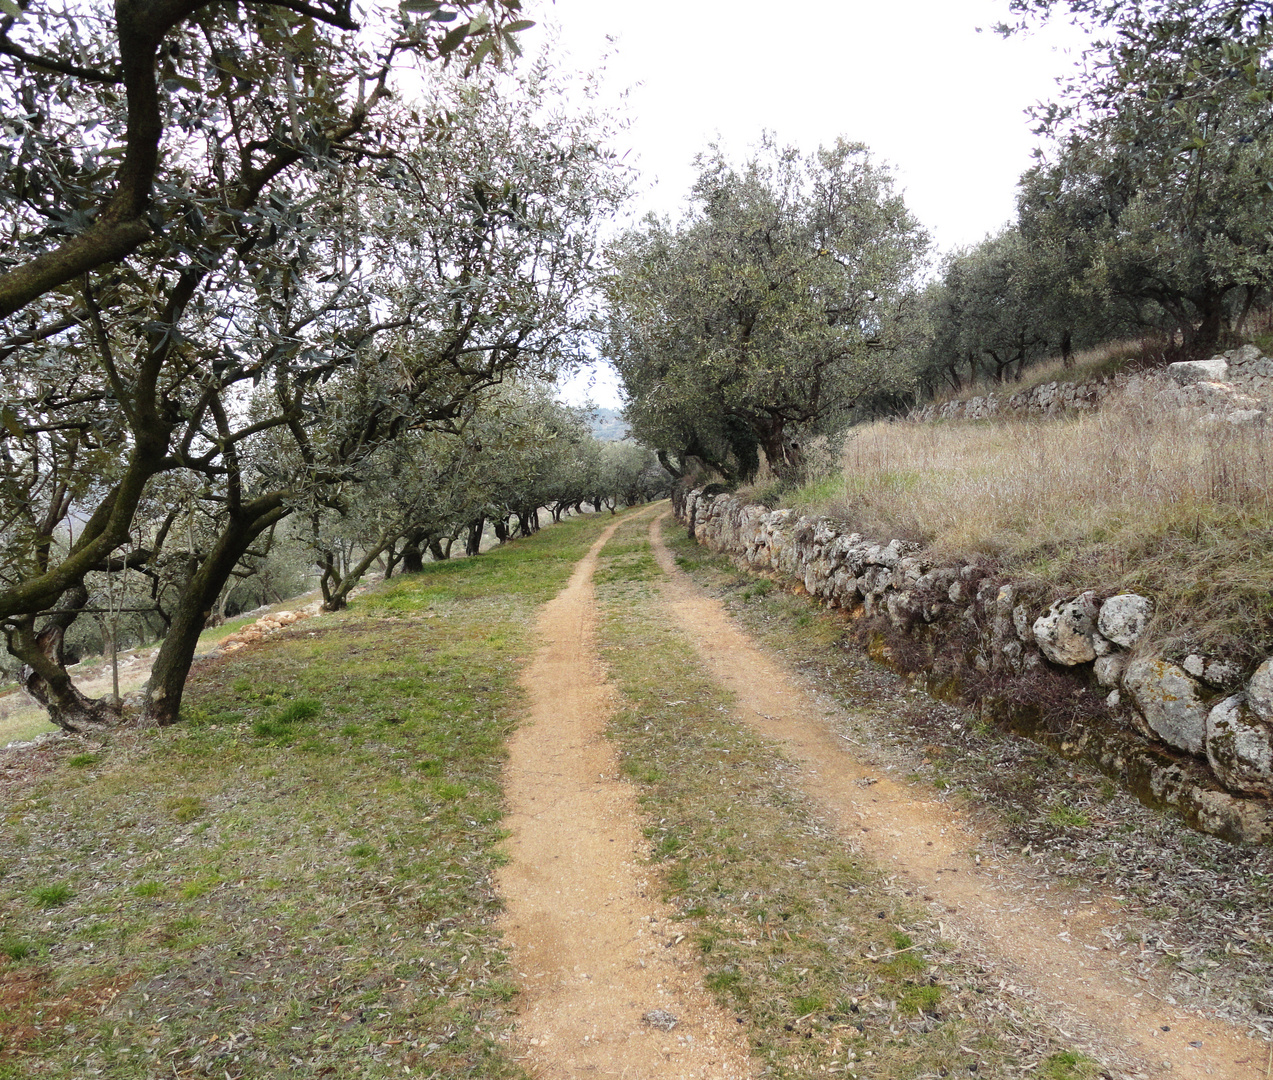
[1053, 945]
[603, 976]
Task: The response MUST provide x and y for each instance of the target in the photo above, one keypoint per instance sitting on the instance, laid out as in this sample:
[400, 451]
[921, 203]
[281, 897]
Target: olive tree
[265, 351]
[770, 310]
[1167, 132]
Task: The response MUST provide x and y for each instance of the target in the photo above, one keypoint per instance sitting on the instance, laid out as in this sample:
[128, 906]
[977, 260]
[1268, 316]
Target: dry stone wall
[1236, 386]
[1197, 736]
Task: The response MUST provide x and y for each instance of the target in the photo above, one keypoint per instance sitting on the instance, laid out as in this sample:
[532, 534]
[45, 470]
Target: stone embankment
[1195, 736]
[265, 625]
[1232, 387]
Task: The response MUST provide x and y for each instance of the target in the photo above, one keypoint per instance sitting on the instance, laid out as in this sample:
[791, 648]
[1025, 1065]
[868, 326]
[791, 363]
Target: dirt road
[1054, 950]
[590, 945]
[601, 971]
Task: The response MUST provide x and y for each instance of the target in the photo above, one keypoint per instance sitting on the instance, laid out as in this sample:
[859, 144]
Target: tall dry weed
[1137, 495]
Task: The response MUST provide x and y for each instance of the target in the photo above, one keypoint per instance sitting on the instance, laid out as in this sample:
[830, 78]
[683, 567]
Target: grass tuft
[51, 896]
[83, 761]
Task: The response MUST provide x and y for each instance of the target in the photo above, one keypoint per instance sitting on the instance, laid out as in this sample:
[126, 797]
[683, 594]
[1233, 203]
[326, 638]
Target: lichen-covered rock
[1222, 674]
[1259, 691]
[1123, 618]
[1102, 644]
[1109, 669]
[1240, 747]
[874, 580]
[1021, 620]
[907, 573]
[1064, 632]
[1170, 701]
[902, 609]
[1002, 631]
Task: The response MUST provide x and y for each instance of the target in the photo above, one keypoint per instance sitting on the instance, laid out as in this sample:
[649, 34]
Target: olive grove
[248, 247]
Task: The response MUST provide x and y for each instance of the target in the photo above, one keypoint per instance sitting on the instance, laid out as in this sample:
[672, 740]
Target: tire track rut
[593, 949]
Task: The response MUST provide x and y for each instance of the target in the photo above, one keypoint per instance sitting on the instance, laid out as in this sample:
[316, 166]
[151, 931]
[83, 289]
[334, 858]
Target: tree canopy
[324, 269]
[766, 313]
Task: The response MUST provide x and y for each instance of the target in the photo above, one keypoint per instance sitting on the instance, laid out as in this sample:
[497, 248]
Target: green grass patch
[50, 896]
[83, 761]
[16, 949]
[1067, 1065]
[185, 808]
[1068, 817]
[298, 882]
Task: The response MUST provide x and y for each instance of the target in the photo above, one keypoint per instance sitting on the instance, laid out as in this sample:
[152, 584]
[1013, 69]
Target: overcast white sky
[941, 103]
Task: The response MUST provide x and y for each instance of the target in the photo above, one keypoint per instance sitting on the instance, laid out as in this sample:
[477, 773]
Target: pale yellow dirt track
[590, 945]
[595, 951]
[1053, 950]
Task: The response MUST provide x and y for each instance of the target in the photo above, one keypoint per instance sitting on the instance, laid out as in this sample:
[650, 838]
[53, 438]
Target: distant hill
[608, 425]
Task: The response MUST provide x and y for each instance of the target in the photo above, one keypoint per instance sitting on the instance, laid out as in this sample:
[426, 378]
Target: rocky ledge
[1195, 736]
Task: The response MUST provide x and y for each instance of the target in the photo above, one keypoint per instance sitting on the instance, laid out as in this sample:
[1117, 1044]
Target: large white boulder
[1123, 618]
[1064, 632]
[1170, 701]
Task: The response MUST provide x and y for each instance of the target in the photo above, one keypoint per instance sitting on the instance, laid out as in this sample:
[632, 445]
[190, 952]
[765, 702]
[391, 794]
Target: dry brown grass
[1086, 364]
[1137, 496]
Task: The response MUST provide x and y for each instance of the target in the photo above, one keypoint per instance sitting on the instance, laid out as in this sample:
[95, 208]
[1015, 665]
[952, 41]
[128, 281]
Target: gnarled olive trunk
[473, 540]
[44, 676]
[176, 654]
[412, 557]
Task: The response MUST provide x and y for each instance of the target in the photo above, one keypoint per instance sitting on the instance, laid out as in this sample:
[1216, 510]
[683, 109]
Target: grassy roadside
[1191, 909]
[296, 881]
[832, 969]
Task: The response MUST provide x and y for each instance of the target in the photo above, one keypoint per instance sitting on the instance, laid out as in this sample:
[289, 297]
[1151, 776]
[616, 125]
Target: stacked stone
[1201, 706]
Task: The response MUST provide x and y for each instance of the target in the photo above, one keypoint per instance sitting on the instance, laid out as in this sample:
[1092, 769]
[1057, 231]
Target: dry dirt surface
[602, 973]
[1054, 949]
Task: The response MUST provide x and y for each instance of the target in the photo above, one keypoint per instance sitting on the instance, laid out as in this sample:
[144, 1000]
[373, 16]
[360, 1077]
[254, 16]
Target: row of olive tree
[1149, 209]
[238, 265]
[518, 452]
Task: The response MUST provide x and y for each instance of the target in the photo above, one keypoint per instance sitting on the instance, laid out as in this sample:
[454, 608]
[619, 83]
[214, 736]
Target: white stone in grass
[1124, 617]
